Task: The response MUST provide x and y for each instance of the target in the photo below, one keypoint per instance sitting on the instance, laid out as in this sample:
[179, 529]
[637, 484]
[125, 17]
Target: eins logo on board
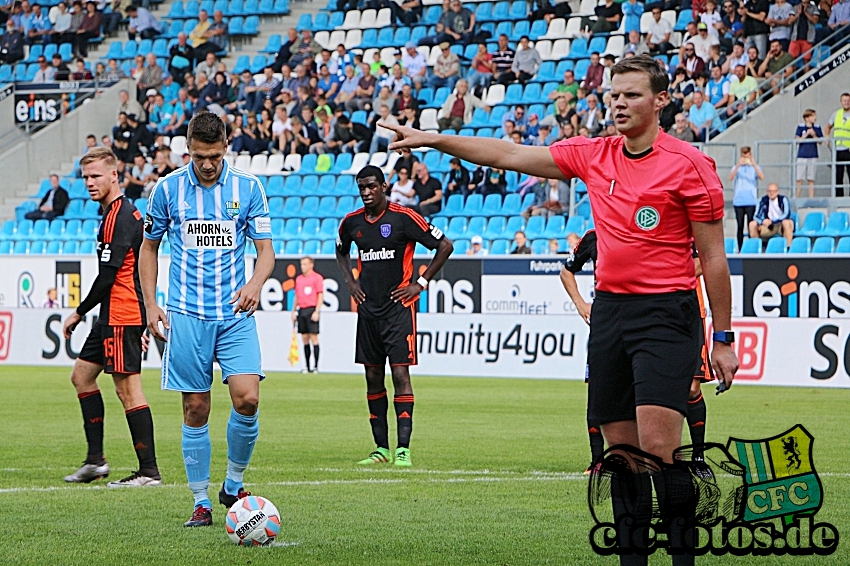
[797, 298]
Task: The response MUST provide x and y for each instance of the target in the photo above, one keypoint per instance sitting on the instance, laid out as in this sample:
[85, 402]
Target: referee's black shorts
[391, 338]
[306, 324]
[118, 349]
[643, 350]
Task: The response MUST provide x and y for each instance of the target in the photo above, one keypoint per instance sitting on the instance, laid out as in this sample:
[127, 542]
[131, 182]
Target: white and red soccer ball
[252, 521]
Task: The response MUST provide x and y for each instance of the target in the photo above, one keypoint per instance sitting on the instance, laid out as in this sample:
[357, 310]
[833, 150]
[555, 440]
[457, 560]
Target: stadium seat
[292, 228]
[292, 164]
[87, 247]
[454, 206]
[776, 246]
[457, 228]
[521, 28]
[685, 17]
[345, 186]
[535, 227]
[71, 247]
[730, 245]
[836, 226]
[6, 246]
[326, 185]
[540, 247]
[328, 229]
[328, 247]
[344, 205]
[252, 26]
[555, 227]
[499, 247]
[357, 163]
[461, 246]
[518, 10]
[7, 232]
[813, 224]
[310, 207]
[277, 228]
[515, 223]
[799, 245]
[843, 246]
[21, 247]
[293, 247]
[53, 247]
[575, 224]
[273, 44]
[824, 245]
[292, 207]
[474, 205]
[751, 246]
[311, 247]
[476, 226]
[276, 207]
[309, 229]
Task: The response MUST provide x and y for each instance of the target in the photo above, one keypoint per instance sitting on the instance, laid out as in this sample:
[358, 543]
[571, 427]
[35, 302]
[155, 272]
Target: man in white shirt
[415, 65]
[711, 18]
[477, 246]
[738, 57]
[44, 74]
[702, 41]
[658, 33]
[383, 137]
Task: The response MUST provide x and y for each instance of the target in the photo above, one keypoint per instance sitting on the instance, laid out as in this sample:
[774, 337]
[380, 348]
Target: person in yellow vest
[839, 127]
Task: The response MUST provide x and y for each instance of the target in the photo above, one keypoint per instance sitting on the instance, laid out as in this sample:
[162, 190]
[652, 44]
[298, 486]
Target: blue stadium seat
[483, 12]
[328, 229]
[813, 224]
[575, 224]
[66, 50]
[308, 185]
[843, 246]
[344, 205]
[292, 207]
[360, 117]
[174, 29]
[272, 45]
[369, 39]
[72, 229]
[259, 63]
[50, 50]
[824, 245]
[276, 207]
[421, 250]
[24, 230]
[328, 247]
[207, 6]
[457, 227]
[521, 28]
[251, 8]
[7, 232]
[579, 50]
[454, 206]
[236, 26]
[555, 227]
[145, 47]
[511, 206]
[540, 246]
[495, 122]
[53, 247]
[160, 47]
[327, 206]
[6, 246]
[305, 21]
[581, 69]
[476, 225]
[293, 247]
[499, 247]
[21, 247]
[751, 246]
[176, 11]
[730, 245]
[546, 74]
[116, 50]
[418, 33]
[266, 7]
[385, 38]
[503, 27]
[515, 223]
[191, 9]
[236, 8]
[57, 229]
[71, 247]
[519, 10]
[538, 28]
[322, 22]
[309, 229]
[836, 226]
[440, 96]
[292, 228]
[278, 246]
[308, 164]
[88, 231]
[243, 63]
[345, 186]
[432, 15]
[311, 247]
[500, 12]
[776, 246]
[87, 247]
[130, 49]
[277, 228]
[492, 205]
[800, 245]
[597, 44]
[310, 207]
[473, 205]
[252, 25]
[535, 227]
[39, 229]
[36, 51]
[461, 246]
[92, 210]
[495, 228]
[685, 17]
[274, 188]
[531, 94]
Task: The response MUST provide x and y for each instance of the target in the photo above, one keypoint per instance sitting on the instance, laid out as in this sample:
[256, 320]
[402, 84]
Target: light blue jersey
[207, 229]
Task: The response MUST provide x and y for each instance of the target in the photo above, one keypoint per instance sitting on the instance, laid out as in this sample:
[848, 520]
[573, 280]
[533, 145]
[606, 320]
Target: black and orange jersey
[584, 252]
[385, 247]
[117, 287]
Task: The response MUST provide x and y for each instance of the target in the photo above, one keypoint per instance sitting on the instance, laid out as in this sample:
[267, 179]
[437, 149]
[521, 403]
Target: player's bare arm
[247, 298]
[487, 152]
[715, 272]
[344, 261]
[410, 292]
[568, 280]
[148, 271]
[320, 300]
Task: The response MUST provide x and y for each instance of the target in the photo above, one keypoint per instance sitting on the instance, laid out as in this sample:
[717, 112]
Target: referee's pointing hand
[407, 138]
[725, 363]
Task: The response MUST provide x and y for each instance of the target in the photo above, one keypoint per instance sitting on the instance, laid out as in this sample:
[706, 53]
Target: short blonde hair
[99, 154]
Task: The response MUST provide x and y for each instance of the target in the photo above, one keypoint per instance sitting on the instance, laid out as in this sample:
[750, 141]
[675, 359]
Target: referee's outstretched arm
[488, 152]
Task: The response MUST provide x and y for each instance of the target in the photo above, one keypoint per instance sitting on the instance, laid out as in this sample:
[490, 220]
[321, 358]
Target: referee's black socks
[404, 418]
[378, 406]
[307, 354]
[91, 402]
[597, 443]
[696, 423]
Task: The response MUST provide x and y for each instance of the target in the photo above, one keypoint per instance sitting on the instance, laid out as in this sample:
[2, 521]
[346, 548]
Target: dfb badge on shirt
[386, 229]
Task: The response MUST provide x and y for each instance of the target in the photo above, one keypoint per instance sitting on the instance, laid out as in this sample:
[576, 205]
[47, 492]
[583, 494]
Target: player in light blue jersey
[208, 210]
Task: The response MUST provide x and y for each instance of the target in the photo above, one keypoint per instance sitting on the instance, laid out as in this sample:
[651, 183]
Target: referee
[652, 197]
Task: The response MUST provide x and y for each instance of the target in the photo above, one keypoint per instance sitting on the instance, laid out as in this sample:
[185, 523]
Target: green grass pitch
[496, 478]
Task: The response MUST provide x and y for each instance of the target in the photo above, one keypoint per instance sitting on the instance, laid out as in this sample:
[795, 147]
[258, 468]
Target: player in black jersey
[114, 344]
[385, 292]
[584, 252]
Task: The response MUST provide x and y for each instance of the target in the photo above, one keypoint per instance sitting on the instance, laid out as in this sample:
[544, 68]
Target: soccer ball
[252, 521]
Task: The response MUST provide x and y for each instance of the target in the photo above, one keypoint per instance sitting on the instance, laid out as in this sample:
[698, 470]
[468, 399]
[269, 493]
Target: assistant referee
[652, 197]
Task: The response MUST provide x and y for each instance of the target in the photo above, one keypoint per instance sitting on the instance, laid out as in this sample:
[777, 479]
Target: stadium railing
[787, 168]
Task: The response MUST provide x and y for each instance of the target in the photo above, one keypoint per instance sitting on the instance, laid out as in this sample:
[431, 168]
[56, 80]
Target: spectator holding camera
[746, 175]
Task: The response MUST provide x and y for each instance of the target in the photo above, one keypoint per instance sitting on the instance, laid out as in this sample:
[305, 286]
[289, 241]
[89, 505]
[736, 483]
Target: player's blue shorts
[194, 343]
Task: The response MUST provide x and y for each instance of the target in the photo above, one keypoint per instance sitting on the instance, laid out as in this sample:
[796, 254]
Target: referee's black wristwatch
[724, 337]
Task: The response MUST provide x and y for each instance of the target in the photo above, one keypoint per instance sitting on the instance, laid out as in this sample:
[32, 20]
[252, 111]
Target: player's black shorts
[117, 348]
[307, 325]
[643, 350]
[705, 372]
[393, 337]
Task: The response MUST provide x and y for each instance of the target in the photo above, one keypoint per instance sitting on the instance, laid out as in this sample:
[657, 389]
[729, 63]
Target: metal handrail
[791, 162]
[767, 85]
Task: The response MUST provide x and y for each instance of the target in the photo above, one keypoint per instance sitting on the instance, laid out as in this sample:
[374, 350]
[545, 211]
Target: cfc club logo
[232, 208]
[647, 218]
